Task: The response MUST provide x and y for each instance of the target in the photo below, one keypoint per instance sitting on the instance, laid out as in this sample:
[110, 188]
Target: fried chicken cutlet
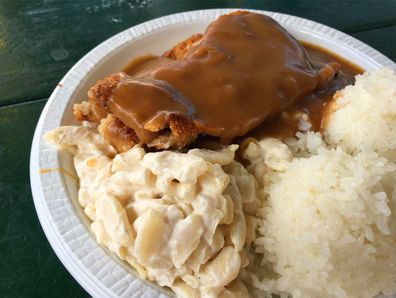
[243, 70]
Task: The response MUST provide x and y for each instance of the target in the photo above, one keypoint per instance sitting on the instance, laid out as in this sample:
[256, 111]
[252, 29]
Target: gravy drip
[285, 124]
[245, 69]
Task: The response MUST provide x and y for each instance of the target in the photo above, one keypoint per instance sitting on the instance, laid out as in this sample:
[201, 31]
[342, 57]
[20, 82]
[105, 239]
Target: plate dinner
[54, 180]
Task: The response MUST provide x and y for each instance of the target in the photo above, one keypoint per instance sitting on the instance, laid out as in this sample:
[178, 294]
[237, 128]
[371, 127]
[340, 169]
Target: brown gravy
[228, 86]
[246, 68]
[285, 124]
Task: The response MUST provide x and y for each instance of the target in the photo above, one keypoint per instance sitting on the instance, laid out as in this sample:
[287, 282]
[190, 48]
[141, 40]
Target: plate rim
[92, 284]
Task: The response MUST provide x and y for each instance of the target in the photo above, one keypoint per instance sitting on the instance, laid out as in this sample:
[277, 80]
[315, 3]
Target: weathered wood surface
[41, 39]
[28, 265]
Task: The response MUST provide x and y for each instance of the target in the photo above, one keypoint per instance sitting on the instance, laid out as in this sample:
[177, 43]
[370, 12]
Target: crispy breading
[104, 88]
[83, 111]
[94, 109]
[117, 133]
[182, 132]
[178, 132]
[178, 51]
[327, 73]
[89, 111]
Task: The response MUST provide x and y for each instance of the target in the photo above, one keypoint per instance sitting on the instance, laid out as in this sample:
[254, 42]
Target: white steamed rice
[365, 114]
[328, 220]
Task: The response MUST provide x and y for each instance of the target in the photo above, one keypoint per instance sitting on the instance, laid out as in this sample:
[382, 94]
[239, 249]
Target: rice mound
[328, 225]
[365, 114]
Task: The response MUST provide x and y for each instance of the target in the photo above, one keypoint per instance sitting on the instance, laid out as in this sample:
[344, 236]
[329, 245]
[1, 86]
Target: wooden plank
[40, 39]
[28, 265]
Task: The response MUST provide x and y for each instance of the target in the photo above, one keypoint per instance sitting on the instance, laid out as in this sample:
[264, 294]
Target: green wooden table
[40, 40]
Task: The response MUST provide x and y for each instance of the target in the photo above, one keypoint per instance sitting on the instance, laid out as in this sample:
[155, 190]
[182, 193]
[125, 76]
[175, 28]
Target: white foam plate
[100, 272]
